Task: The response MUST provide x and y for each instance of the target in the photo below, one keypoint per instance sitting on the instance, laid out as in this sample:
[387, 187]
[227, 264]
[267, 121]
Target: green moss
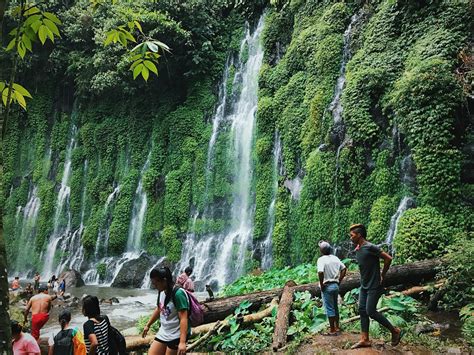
[171, 242]
[423, 233]
[429, 128]
[380, 215]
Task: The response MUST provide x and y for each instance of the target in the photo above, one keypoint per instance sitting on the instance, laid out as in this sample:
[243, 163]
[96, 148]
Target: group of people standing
[97, 335]
[331, 272]
[55, 284]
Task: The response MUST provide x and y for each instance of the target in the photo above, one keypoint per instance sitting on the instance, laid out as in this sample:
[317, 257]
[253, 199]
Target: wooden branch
[283, 316]
[137, 342]
[204, 337]
[353, 319]
[249, 318]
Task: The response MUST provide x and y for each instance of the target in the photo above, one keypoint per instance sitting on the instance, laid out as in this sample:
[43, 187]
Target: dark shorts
[172, 344]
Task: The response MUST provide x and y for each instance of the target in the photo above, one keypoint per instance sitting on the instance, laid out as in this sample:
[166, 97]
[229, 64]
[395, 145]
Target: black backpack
[63, 344]
[117, 344]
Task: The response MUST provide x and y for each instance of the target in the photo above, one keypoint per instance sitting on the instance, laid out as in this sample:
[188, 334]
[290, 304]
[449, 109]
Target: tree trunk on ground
[407, 274]
[283, 316]
[249, 318]
[433, 303]
[135, 343]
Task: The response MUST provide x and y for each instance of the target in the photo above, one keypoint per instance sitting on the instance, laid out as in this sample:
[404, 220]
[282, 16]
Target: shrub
[458, 271]
[423, 233]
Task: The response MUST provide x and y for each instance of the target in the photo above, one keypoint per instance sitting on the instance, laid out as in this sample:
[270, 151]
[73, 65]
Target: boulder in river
[132, 272]
[73, 278]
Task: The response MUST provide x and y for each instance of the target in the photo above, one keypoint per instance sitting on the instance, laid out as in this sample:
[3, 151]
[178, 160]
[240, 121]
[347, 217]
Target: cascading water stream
[405, 204]
[146, 281]
[221, 256]
[192, 245]
[138, 213]
[115, 264]
[267, 243]
[72, 242]
[62, 209]
[27, 229]
[335, 107]
[102, 244]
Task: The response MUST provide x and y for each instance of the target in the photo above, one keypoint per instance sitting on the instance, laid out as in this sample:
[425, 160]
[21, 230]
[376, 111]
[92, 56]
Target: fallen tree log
[407, 274]
[136, 343]
[283, 316]
[249, 318]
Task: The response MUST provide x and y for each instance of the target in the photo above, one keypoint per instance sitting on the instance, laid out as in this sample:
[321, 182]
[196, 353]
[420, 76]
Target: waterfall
[405, 204]
[221, 256]
[113, 267]
[62, 209]
[267, 243]
[335, 107]
[112, 197]
[138, 213]
[27, 229]
[146, 280]
[113, 263]
[71, 246]
[102, 243]
[295, 186]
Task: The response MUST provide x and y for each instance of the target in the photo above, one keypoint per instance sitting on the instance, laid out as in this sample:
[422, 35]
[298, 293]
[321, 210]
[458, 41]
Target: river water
[133, 303]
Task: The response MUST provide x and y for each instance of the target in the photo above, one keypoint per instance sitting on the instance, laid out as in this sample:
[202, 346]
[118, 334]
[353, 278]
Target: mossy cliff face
[403, 131]
[405, 123]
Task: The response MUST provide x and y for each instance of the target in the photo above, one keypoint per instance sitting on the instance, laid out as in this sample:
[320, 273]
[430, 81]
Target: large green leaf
[145, 73]
[43, 33]
[151, 66]
[21, 50]
[137, 70]
[32, 19]
[52, 26]
[11, 45]
[20, 99]
[27, 42]
[22, 90]
[5, 96]
[52, 17]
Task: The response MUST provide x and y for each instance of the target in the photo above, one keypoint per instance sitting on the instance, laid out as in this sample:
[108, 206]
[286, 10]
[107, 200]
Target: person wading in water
[40, 306]
[368, 257]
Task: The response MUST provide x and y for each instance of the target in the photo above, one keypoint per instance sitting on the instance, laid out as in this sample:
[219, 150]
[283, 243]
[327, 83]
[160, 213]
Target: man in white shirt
[331, 271]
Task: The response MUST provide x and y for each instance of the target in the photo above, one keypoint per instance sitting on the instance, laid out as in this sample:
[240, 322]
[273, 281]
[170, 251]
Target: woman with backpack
[172, 309]
[96, 329]
[69, 341]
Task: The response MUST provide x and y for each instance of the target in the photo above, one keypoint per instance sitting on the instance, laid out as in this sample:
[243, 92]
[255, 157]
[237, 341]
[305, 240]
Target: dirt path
[341, 344]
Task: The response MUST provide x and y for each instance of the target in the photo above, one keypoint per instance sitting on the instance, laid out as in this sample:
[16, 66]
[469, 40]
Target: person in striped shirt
[96, 328]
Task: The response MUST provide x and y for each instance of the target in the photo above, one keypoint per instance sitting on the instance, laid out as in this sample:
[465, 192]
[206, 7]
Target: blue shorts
[330, 293]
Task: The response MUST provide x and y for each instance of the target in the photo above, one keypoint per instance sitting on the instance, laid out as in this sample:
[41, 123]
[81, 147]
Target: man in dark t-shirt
[368, 257]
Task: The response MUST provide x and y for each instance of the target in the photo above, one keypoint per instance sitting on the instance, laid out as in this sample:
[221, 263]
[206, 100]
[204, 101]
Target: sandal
[335, 334]
[361, 344]
[396, 338]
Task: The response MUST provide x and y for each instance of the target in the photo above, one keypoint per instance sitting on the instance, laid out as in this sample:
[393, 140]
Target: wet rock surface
[132, 272]
[73, 278]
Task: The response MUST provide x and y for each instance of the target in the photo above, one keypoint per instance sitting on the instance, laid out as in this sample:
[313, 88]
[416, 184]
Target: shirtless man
[40, 306]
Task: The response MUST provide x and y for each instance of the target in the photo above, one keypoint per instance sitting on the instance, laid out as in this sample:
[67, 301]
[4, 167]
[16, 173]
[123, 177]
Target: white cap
[323, 244]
